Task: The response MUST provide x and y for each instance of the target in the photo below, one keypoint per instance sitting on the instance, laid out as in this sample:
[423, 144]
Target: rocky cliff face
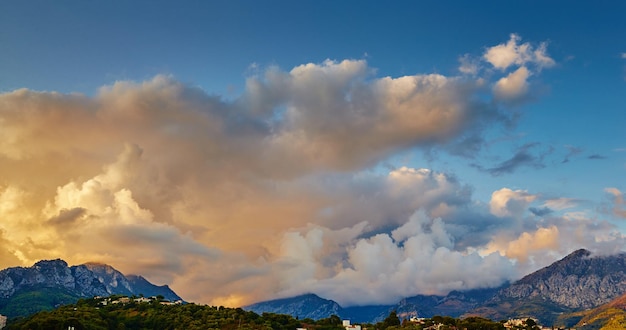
[49, 273]
[578, 281]
[86, 280]
[113, 280]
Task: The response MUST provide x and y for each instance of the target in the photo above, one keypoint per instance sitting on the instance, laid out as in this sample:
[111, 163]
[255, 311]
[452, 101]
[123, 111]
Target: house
[418, 320]
[348, 326]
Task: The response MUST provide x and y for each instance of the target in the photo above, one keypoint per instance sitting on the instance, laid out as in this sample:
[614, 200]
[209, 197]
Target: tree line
[92, 314]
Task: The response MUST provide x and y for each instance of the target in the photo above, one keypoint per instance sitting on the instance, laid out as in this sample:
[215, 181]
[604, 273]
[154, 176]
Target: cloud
[275, 192]
[512, 87]
[417, 257]
[540, 212]
[522, 157]
[503, 56]
[596, 156]
[506, 202]
[619, 205]
[526, 61]
[540, 242]
[572, 151]
[529, 243]
[469, 65]
[561, 203]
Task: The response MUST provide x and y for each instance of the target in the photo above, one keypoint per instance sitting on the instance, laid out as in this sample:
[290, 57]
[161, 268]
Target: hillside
[609, 316]
[52, 283]
[94, 314]
[311, 306]
[138, 314]
[577, 282]
[304, 306]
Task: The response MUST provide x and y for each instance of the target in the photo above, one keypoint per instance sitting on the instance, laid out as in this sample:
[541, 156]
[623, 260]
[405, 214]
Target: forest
[93, 314]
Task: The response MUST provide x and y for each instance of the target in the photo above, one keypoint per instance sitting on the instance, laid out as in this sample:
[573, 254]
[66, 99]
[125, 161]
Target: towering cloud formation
[278, 191]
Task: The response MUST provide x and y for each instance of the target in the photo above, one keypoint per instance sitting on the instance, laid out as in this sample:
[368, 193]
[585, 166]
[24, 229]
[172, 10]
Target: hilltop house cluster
[125, 300]
[509, 324]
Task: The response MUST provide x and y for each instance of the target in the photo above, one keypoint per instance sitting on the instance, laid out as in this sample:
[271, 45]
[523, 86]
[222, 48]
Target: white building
[348, 326]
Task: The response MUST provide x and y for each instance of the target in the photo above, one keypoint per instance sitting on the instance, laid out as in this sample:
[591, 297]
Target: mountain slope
[578, 281]
[312, 306]
[304, 306]
[50, 283]
[141, 286]
[611, 315]
[453, 304]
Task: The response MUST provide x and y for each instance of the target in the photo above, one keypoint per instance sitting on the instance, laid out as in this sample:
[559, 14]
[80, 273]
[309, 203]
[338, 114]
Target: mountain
[50, 283]
[577, 282]
[304, 306]
[454, 304]
[611, 315]
[314, 307]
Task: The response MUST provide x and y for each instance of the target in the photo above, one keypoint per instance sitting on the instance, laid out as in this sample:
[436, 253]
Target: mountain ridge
[579, 281]
[49, 283]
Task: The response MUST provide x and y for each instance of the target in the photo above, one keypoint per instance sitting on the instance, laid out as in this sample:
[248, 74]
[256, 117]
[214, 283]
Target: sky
[241, 151]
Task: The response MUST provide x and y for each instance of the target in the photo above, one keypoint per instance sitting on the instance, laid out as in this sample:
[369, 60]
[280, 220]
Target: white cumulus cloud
[513, 52]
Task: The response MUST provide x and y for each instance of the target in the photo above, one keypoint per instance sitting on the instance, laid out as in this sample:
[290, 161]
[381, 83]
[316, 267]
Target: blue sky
[215, 103]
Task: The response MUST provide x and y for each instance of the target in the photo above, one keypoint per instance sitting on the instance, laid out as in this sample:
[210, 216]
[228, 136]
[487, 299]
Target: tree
[391, 321]
[531, 324]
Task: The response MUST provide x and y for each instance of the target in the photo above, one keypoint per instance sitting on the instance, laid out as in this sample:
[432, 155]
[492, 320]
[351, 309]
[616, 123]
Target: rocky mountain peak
[97, 266]
[580, 280]
[580, 253]
[56, 263]
[87, 280]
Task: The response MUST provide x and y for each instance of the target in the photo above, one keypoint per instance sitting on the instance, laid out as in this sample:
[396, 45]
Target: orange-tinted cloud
[268, 194]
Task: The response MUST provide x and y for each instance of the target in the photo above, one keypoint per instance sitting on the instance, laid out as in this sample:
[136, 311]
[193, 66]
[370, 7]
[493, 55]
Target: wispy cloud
[619, 204]
[572, 151]
[540, 212]
[523, 157]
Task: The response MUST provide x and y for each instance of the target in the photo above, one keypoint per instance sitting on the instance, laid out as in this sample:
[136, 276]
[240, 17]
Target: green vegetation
[616, 323]
[545, 311]
[92, 314]
[154, 314]
[32, 301]
[609, 318]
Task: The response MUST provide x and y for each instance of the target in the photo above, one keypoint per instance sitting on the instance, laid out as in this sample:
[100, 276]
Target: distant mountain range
[577, 282]
[312, 306]
[580, 289]
[50, 283]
